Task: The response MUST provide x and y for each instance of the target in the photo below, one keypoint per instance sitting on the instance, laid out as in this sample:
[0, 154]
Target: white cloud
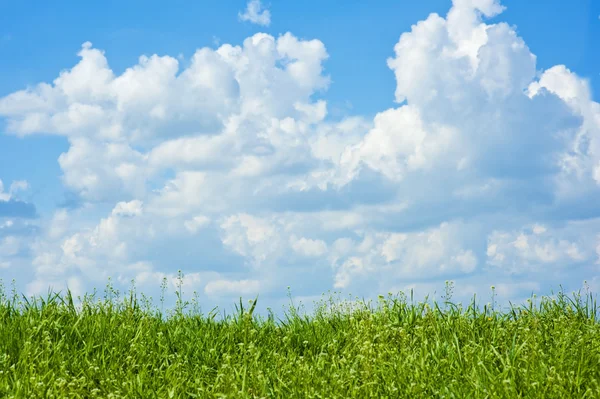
[256, 13]
[581, 163]
[251, 236]
[308, 247]
[186, 192]
[210, 114]
[101, 171]
[437, 252]
[131, 208]
[540, 249]
[71, 246]
[398, 144]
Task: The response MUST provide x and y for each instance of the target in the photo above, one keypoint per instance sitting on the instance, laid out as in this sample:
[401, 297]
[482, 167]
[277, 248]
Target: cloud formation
[232, 169]
[256, 13]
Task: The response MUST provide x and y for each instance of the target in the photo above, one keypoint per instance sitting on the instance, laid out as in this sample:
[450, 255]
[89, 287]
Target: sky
[375, 148]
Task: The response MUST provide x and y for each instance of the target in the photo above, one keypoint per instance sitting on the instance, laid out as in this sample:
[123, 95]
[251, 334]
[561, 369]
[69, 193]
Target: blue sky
[326, 153]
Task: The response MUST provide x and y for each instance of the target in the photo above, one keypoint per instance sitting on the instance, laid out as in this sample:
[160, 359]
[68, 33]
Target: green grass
[123, 348]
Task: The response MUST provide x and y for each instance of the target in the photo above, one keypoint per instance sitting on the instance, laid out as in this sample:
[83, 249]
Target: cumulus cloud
[103, 171]
[256, 13]
[308, 247]
[211, 115]
[93, 253]
[251, 236]
[132, 208]
[439, 252]
[540, 249]
[484, 170]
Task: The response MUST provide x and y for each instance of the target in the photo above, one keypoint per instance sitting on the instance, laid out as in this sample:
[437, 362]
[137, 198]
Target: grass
[122, 348]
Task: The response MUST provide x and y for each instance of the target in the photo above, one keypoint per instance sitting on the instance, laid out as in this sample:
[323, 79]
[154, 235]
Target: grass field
[124, 348]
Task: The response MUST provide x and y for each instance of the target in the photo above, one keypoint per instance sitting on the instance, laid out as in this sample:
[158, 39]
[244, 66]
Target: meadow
[122, 347]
